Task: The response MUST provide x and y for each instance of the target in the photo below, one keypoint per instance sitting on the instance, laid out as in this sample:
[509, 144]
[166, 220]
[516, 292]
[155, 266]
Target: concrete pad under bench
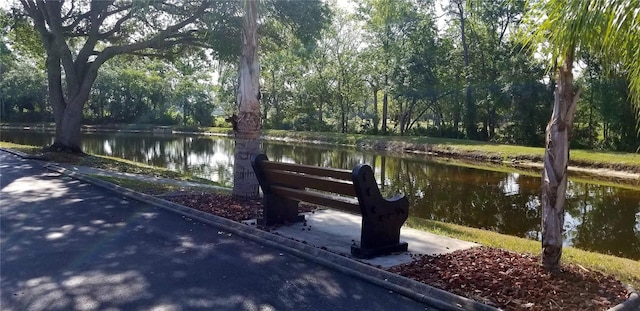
[337, 231]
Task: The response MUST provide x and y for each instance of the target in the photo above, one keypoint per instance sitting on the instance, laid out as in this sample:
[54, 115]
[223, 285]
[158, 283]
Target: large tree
[415, 78]
[610, 28]
[80, 36]
[457, 8]
[385, 23]
[305, 22]
[247, 123]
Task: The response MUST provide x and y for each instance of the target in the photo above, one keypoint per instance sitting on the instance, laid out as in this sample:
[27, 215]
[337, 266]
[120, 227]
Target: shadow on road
[68, 245]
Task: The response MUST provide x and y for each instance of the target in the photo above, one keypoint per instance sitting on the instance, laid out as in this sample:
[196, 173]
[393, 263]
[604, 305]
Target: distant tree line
[390, 67]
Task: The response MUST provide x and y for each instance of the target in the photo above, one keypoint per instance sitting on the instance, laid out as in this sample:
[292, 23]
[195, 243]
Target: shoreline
[601, 173]
[396, 146]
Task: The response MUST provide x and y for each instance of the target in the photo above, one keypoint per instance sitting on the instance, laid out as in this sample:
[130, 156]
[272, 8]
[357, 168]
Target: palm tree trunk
[556, 160]
[247, 133]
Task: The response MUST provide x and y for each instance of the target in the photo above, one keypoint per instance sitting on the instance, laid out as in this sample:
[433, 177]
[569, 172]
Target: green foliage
[606, 120]
[127, 93]
[7, 59]
[415, 78]
[528, 99]
[607, 29]
[305, 21]
[23, 38]
[24, 94]
[149, 91]
[332, 72]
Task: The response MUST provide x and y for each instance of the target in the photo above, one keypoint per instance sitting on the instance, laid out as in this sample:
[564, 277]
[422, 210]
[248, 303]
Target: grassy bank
[107, 163]
[462, 148]
[152, 188]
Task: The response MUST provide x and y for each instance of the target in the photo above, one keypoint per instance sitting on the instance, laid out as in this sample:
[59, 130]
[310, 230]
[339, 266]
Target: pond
[599, 218]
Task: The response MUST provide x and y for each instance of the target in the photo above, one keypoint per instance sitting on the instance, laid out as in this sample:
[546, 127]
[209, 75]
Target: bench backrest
[317, 185]
[285, 184]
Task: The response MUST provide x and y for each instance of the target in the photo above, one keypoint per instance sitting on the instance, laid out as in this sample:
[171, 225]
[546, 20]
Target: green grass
[108, 163]
[527, 170]
[126, 166]
[465, 148]
[626, 270]
[152, 188]
[33, 150]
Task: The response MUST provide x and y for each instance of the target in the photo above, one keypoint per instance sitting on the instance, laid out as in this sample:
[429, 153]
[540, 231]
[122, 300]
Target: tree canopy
[80, 36]
[400, 65]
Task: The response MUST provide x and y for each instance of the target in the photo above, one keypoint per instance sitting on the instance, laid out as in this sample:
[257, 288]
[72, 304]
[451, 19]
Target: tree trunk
[376, 117]
[456, 122]
[492, 123]
[484, 131]
[343, 113]
[385, 111]
[471, 113]
[247, 133]
[556, 159]
[383, 171]
[400, 119]
[68, 129]
[67, 110]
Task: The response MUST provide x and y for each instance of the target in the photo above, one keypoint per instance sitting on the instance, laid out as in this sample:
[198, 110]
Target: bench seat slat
[308, 169]
[295, 180]
[319, 198]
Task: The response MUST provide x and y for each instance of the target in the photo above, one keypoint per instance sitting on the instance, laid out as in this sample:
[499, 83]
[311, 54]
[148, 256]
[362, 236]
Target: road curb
[421, 292]
[24, 155]
[631, 304]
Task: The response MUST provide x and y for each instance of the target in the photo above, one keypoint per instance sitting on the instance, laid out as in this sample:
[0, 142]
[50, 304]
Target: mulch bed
[219, 205]
[514, 281]
[224, 205]
[504, 279]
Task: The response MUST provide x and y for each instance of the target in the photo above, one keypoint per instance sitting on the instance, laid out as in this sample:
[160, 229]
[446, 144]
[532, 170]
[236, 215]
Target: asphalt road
[68, 245]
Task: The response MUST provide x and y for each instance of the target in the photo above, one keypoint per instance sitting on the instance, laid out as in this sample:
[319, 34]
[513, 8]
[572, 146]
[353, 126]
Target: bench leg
[379, 236]
[381, 218]
[277, 210]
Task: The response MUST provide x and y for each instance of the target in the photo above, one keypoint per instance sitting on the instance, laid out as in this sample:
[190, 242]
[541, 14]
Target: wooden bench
[284, 185]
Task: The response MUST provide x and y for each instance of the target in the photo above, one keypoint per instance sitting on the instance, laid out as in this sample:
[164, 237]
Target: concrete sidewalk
[336, 231]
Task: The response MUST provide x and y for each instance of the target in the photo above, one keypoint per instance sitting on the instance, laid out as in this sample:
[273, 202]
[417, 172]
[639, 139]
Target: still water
[600, 218]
